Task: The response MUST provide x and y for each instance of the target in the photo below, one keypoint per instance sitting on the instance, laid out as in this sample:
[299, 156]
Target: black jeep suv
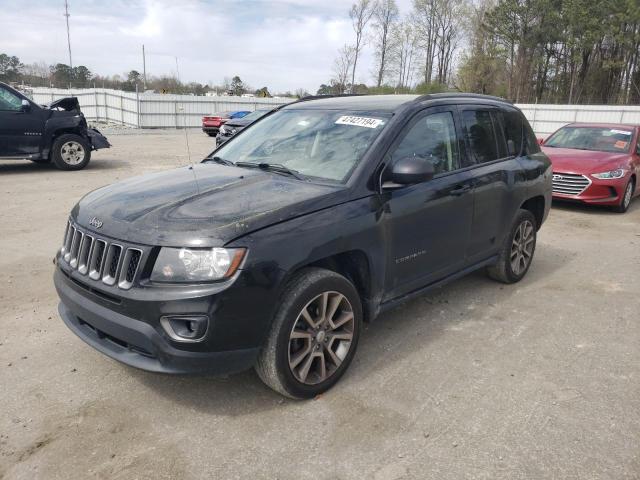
[55, 133]
[319, 216]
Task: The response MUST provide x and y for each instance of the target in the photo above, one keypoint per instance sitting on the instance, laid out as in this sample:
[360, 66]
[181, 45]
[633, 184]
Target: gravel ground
[475, 380]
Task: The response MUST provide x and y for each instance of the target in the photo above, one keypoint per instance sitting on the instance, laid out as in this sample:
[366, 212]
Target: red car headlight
[610, 175]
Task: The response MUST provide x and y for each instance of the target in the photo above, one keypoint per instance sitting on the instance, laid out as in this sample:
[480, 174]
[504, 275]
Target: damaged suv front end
[56, 133]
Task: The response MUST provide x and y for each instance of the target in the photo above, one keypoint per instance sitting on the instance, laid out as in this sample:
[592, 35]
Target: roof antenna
[184, 118]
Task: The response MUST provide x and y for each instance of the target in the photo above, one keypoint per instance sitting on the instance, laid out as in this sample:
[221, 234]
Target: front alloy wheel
[314, 334]
[71, 152]
[321, 338]
[626, 197]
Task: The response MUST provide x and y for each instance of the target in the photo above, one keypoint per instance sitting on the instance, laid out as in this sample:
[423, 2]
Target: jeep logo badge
[95, 222]
[558, 177]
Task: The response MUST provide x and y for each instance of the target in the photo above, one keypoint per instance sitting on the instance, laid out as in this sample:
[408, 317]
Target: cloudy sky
[282, 44]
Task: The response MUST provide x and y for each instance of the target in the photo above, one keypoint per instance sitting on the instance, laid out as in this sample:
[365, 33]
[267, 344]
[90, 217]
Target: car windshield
[325, 144]
[609, 139]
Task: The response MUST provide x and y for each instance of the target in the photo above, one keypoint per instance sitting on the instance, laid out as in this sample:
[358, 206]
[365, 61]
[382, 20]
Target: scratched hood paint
[207, 204]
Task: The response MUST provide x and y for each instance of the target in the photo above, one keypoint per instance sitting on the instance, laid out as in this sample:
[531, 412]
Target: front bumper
[139, 343]
[97, 139]
[211, 130]
[598, 192]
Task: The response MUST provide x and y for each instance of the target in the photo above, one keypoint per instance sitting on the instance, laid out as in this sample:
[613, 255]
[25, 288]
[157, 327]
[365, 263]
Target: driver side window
[9, 101]
[432, 137]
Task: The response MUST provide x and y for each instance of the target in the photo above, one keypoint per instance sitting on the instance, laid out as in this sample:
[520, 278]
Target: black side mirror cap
[409, 171]
[25, 106]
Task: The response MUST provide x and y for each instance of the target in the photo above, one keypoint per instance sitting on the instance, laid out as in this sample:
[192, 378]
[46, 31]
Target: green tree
[263, 93]
[134, 77]
[237, 88]
[61, 75]
[10, 68]
[81, 76]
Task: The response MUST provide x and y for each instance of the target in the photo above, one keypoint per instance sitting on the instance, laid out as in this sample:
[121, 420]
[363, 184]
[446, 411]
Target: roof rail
[318, 97]
[435, 96]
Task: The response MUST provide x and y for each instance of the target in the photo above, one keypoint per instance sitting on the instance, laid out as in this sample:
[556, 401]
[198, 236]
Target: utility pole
[144, 69]
[66, 14]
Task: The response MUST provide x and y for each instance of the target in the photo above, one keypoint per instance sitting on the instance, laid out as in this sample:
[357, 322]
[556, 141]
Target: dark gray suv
[317, 217]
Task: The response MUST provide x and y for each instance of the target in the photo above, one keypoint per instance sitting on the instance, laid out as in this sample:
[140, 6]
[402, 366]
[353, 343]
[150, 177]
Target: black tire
[625, 201]
[212, 134]
[275, 358]
[71, 152]
[504, 270]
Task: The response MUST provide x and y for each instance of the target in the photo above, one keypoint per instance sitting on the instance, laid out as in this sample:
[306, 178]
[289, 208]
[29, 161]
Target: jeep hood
[68, 103]
[201, 205]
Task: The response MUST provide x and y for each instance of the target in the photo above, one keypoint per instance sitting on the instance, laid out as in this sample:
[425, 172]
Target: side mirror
[25, 106]
[541, 141]
[409, 171]
[511, 148]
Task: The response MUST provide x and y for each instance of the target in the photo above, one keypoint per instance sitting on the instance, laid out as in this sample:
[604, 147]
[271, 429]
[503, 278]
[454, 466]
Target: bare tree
[438, 24]
[360, 13]
[425, 19]
[343, 65]
[404, 49]
[385, 14]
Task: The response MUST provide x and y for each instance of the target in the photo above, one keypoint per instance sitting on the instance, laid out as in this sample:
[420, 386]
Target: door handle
[460, 190]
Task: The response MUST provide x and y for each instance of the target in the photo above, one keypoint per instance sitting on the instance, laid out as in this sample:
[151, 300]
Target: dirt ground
[476, 380]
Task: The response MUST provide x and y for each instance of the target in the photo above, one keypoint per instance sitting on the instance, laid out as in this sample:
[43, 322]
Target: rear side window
[530, 140]
[481, 135]
[513, 129]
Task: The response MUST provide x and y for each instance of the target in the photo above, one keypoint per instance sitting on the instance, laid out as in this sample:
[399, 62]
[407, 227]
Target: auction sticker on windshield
[366, 122]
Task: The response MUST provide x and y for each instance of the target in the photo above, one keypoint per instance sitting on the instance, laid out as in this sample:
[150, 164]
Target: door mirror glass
[511, 148]
[409, 171]
[25, 106]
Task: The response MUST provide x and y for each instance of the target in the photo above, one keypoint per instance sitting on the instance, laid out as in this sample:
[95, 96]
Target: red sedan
[595, 163]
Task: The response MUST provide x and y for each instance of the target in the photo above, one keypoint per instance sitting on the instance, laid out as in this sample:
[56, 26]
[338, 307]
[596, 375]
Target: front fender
[275, 253]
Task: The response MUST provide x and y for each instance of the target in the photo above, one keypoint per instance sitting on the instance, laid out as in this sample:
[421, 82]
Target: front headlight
[618, 173]
[196, 264]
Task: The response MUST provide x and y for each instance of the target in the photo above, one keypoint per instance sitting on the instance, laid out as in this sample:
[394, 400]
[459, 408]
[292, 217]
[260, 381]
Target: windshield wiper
[274, 167]
[219, 160]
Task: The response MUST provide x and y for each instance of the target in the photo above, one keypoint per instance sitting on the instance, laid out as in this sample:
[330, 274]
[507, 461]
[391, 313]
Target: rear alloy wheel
[625, 201]
[314, 334]
[517, 253]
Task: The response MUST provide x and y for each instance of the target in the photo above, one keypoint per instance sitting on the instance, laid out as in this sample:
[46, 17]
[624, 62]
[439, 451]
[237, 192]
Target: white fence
[146, 110]
[546, 119]
[151, 110]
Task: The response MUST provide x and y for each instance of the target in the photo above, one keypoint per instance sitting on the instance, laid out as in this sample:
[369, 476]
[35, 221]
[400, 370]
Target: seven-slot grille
[569, 183]
[100, 258]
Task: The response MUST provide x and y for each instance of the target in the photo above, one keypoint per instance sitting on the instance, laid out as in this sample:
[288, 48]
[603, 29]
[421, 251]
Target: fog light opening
[185, 328]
